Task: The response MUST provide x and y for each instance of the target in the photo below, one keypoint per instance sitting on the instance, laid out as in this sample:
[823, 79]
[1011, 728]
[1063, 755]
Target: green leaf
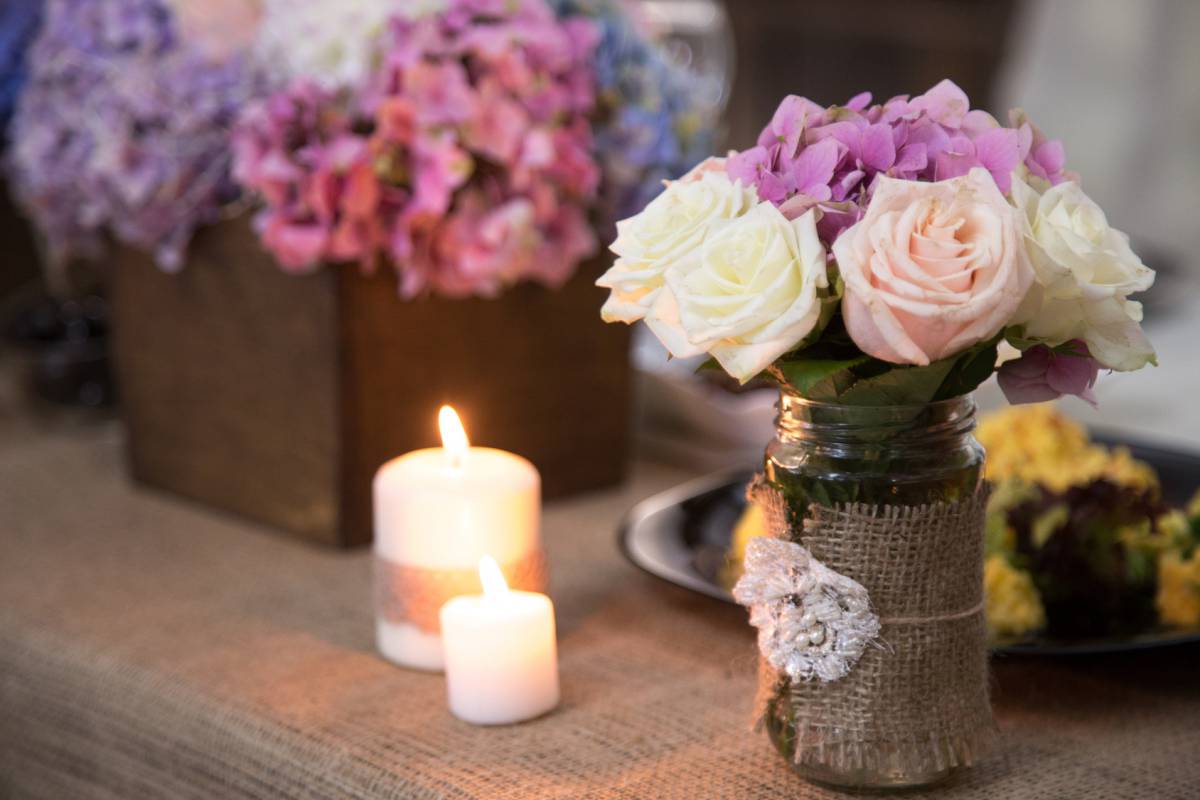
[970, 369]
[820, 379]
[1016, 337]
[1048, 522]
[833, 369]
[899, 386]
[1140, 566]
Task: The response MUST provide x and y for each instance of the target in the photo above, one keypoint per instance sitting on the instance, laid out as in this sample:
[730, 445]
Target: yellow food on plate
[1014, 607]
[1178, 597]
[1034, 455]
[1038, 444]
[750, 525]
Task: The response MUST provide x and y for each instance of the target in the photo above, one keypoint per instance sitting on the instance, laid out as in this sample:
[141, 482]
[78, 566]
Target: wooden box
[277, 396]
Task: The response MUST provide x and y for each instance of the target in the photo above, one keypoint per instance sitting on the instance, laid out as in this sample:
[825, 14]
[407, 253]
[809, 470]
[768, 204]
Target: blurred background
[1113, 79]
[203, 336]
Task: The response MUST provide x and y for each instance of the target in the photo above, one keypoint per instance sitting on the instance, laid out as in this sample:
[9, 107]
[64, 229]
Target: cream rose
[1085, 272]
[932, 268]
[671, 227]
[747, 295]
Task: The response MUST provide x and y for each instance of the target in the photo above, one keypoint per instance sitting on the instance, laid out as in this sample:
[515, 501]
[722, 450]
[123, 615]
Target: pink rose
[932, 268]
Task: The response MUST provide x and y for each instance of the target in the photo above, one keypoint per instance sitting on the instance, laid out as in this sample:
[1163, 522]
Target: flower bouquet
[464, 160]
[122, 131]
[453, 156]
[872, 260]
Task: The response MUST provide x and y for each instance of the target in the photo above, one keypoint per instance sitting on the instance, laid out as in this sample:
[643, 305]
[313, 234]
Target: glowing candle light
[437, 511]
[500, 651]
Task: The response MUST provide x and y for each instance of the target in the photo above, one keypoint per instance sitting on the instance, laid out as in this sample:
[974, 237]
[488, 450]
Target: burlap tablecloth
[153, 649]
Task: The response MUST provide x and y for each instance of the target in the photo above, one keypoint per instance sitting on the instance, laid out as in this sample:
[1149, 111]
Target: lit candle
[501, 655]
[437, 511]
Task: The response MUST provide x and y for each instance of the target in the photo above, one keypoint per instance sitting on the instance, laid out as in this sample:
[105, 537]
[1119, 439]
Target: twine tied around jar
[414, 595]
[908, 686]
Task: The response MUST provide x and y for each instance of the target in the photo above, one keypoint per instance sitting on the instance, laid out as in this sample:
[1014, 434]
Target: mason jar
[916, 706]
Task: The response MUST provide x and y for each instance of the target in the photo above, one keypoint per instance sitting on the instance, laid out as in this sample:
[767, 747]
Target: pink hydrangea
[465, 162]
[810, 155]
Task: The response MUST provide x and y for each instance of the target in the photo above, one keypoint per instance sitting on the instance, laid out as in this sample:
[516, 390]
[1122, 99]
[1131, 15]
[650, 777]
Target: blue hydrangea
[649, 126]
[19, 21]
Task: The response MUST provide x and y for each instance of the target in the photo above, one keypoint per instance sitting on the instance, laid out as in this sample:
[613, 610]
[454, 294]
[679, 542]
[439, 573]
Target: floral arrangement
[471, 143]
[465, 161]
[18, 25]
[648, 125]
[333, 44]
[1080, 542]
[464, 143]
[123, 128]
[880, 254]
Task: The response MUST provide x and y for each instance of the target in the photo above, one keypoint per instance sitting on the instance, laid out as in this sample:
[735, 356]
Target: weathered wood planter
[277, 397]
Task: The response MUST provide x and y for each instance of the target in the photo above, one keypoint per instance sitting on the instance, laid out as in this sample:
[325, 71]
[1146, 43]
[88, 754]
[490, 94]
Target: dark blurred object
[830, 52]
[66, 342]
[1091, 581]
[20, 263]
[278, 396]
[1174, 290]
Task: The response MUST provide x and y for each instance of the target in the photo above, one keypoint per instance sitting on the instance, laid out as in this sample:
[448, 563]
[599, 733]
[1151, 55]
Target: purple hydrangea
[123, 130]
[831, 157]
[1045, 373]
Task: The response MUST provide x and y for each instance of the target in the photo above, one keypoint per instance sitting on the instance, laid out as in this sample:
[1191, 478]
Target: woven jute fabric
[404, 593]
[918, 701]
[151, 649]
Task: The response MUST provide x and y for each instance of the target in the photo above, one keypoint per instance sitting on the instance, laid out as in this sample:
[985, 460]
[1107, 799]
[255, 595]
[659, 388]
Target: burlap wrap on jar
[917, 698]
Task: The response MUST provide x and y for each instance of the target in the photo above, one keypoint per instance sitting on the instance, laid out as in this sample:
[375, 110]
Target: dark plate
[681, 535]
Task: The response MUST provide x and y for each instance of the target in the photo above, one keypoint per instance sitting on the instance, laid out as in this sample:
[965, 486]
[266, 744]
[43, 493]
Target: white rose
[747, 295]
[671, 227]
[1085, 272]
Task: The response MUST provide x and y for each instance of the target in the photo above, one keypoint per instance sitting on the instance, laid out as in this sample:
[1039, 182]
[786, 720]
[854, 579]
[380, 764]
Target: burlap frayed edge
[935, 754]
[812, 745]
[817, 745]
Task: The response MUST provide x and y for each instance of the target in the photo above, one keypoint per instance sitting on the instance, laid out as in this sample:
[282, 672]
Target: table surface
[152, 648]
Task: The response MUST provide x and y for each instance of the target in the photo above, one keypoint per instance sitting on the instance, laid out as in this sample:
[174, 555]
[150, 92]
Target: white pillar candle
[442, 509]
[501, 652]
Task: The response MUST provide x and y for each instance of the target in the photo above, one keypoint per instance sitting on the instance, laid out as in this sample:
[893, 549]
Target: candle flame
[454, 437]
[491, 577]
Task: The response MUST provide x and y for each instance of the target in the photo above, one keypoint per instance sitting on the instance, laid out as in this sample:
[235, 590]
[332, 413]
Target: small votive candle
[500, 652]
